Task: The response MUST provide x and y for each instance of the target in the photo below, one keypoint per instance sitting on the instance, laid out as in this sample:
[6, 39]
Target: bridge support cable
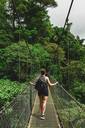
[27, 46]
[66, 20]
[17, 114]
[68, 57]
[65, 104]
[60, 37]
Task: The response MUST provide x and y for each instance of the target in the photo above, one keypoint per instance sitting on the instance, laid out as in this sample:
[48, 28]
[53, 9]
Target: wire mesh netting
[71, 113]
[17, 114]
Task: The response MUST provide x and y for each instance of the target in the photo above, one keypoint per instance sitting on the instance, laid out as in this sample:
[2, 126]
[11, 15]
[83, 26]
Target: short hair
[43, 71]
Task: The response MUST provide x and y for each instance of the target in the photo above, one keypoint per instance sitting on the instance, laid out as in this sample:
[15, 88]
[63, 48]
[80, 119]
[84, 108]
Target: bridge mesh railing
[71, 113]
[17, 114]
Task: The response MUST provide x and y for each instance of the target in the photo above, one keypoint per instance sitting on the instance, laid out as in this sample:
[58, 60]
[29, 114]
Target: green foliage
[71, 112]
[41, 56]
[26, 19]
[71, 45]
[76, 116]
[75, 70]
[55, 72]
[73, 64]
[8, 90]
[47, 3]
[18, 57]
[78, 90]
[5, 28]
[29, 21]
[56, 52]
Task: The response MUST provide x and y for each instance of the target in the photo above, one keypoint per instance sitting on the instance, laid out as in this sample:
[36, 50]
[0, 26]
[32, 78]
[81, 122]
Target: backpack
[40, 85]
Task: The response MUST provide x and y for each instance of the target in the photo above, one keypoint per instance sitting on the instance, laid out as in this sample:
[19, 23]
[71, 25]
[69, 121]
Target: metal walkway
[51, 120]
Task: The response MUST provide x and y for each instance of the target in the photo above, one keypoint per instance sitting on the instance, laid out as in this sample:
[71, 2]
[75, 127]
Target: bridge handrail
[6, 106]
[17, 113]
[3, 108]
[61, 86]
[70, 111]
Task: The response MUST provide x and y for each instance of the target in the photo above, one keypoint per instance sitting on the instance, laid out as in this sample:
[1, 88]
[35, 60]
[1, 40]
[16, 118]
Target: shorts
[43, 92]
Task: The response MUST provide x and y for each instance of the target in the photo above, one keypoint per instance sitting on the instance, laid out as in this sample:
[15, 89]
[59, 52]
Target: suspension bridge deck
[51, 120]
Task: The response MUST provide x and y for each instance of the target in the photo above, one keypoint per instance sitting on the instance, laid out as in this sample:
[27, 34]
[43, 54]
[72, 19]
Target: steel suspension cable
[20, 26]
[66, 20]
[68, 55]
[60, 37]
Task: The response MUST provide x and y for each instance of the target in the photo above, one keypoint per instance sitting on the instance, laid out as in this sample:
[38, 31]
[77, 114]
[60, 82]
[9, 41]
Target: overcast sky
[77, 15]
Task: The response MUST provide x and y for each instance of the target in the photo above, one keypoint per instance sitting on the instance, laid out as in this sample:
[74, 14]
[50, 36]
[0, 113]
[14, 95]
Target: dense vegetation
[8, 90]
[28, 42]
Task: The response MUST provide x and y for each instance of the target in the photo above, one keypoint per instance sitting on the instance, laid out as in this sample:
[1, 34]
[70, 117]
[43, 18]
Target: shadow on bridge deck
[51, 120]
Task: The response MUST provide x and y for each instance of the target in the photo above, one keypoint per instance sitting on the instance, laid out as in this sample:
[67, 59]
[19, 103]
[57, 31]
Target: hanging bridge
[62, 111]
